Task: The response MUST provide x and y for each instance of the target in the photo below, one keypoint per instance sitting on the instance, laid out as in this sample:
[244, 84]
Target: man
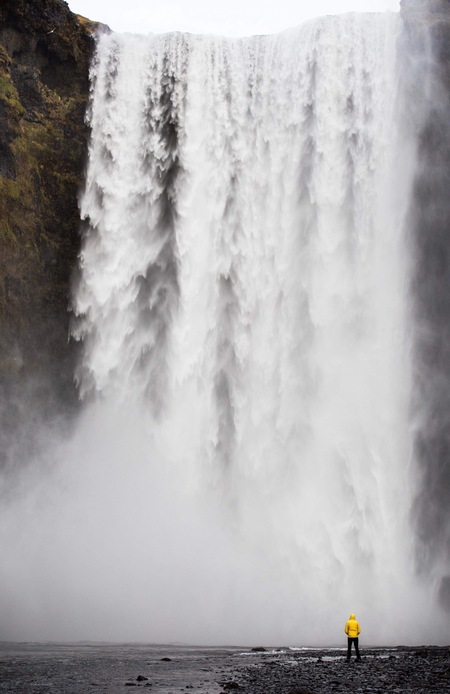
[352, 630]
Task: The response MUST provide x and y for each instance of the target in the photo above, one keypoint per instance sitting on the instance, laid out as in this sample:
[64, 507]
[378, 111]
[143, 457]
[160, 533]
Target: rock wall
[45, 52]
[428, 25]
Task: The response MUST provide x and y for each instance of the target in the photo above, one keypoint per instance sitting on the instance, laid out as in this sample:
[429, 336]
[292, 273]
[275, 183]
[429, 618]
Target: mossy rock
[44, 87]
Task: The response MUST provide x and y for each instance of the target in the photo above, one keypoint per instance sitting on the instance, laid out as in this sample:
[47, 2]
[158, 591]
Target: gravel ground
[110, 669]
[400, 671]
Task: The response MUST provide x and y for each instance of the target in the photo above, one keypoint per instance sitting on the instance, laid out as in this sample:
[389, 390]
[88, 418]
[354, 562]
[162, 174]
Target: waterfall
[243, 469]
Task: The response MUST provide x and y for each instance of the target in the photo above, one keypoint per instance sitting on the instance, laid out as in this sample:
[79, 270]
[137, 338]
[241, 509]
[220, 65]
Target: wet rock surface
[79, 668]
[397, 670]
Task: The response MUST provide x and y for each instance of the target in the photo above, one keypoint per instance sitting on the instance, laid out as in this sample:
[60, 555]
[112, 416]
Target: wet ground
[109, 669]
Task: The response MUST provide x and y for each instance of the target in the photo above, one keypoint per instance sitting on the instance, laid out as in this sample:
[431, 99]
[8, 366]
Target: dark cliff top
[45, 34]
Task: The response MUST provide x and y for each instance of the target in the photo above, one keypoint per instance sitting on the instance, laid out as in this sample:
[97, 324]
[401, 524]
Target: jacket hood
[352, 616]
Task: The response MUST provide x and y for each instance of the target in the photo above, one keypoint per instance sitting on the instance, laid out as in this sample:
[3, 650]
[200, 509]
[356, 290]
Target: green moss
[9, 95]
[9, 188]
[6, 233]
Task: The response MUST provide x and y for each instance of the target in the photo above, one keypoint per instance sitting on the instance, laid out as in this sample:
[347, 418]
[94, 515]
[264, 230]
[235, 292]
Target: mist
[115, 543]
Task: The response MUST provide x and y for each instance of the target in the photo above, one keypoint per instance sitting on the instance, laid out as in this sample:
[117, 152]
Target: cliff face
[428, 25]
[45, 52]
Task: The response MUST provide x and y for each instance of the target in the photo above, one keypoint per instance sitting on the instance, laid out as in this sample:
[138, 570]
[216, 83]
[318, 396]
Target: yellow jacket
[352, 627]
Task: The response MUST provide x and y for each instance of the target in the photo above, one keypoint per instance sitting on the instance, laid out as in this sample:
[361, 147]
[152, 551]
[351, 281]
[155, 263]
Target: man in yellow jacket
[352, 630]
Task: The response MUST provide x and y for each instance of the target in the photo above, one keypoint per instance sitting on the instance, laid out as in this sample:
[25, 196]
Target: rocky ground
[400, 671]
[109, 669]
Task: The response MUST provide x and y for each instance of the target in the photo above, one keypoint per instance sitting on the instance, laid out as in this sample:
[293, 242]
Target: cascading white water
[242, 472]
[243, 285]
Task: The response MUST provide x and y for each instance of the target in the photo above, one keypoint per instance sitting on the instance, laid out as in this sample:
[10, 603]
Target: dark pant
[349, 648]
